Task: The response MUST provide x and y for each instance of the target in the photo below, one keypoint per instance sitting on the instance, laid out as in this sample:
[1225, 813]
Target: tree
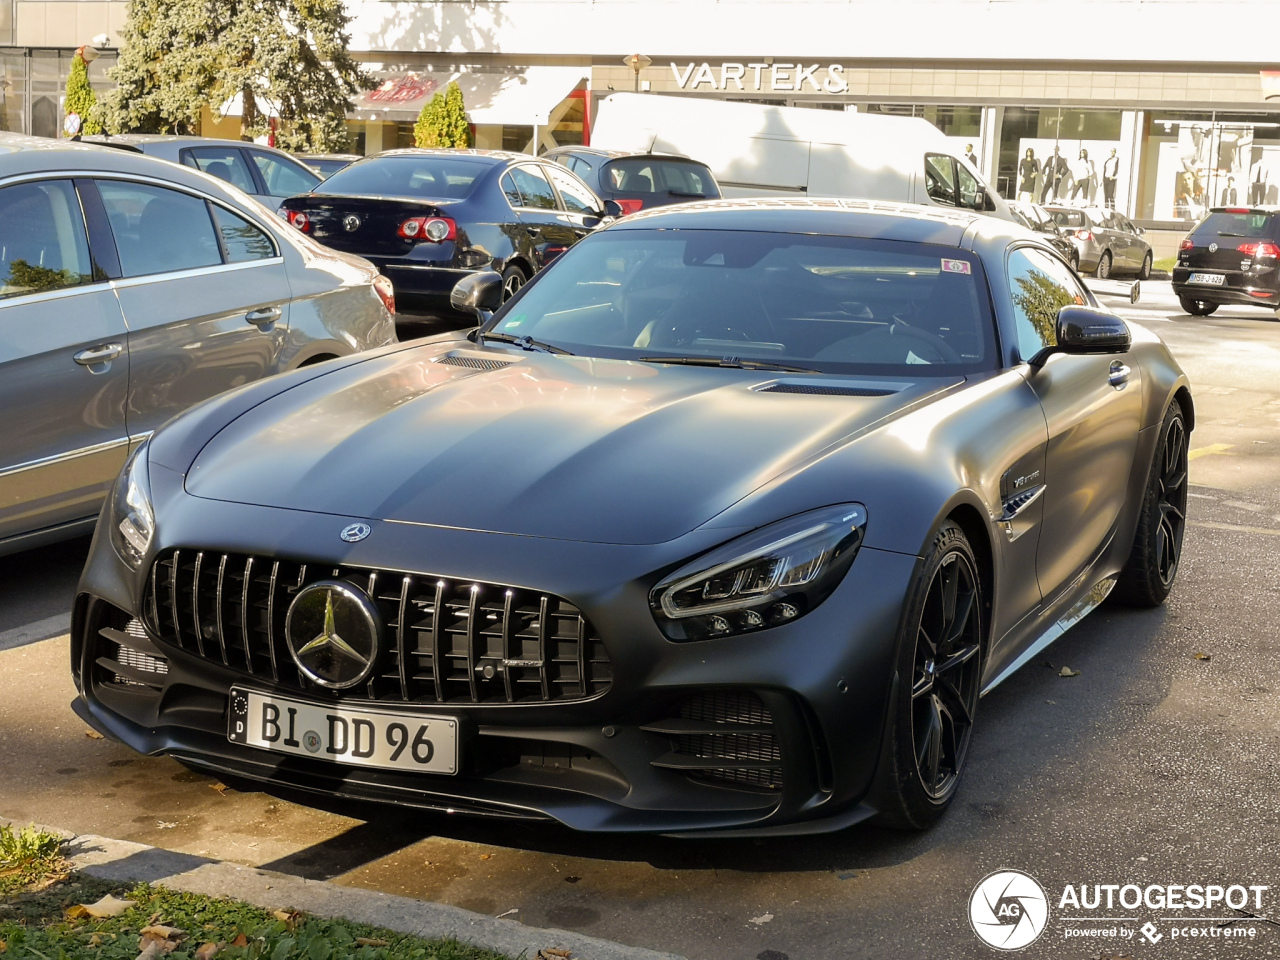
[80, 96]
[290, 56]
[443, 121]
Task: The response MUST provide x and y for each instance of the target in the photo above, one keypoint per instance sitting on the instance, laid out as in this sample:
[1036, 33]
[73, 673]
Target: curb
[123, 861]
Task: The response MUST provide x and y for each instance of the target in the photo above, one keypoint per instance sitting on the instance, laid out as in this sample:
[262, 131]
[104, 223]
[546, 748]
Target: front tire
[1148, 576]
[939, 669]
[1104, 266]
[1197, 308]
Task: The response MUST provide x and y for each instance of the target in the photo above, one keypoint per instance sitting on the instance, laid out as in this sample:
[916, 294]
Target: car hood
[537, 445]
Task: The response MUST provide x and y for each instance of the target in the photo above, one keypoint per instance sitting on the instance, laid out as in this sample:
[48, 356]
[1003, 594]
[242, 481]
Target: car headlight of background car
[132, 521]
[767, 577]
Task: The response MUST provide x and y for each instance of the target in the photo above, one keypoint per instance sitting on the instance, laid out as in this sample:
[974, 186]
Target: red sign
[403, 89]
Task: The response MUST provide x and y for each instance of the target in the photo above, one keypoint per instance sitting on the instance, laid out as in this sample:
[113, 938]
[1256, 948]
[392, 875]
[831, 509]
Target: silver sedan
[131, 289]
[1106, 241]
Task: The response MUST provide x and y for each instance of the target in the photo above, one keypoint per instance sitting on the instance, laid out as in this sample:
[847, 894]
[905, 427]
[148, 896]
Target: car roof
[620, 154]
[329, 156]
[496, 156]
[1238, 208]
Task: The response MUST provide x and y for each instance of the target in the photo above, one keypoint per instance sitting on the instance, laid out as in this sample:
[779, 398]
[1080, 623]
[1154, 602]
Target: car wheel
[1145, 272]
[513, 278]
[1157, 547]
[1075, 262]
[939, 671]
[1197, 308]
[1104, 266]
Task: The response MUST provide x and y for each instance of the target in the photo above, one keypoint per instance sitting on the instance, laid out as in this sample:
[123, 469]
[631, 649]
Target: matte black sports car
[429, 217]
[724, 523]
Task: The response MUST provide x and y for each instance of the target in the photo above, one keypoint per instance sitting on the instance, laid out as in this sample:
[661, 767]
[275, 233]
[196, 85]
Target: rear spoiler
[1129, 289]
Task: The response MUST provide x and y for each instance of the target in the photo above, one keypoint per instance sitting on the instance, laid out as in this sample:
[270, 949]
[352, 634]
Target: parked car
[1231, 256]
[268, 174]
[428, 217]
[327, 164]
[723, 524]
[1106, 241]
[131, 289]
[1040, 220]
[639, 180]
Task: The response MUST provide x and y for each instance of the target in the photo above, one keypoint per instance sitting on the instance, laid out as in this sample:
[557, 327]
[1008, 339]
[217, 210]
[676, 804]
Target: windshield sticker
[956, 266]
[912, 358]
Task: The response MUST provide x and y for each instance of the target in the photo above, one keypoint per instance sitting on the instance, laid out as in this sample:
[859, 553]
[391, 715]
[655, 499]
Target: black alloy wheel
[1197, 308]
[939, 680]
[1157, 546]
[1104, 266]
[513, 278]
[1145, 272]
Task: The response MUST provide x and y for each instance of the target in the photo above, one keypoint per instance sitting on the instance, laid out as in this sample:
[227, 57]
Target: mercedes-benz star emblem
[356, 532]
[351, 223]
[332, 630]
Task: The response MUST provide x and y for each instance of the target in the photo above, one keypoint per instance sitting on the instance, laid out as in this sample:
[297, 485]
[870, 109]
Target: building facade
[1158, 106]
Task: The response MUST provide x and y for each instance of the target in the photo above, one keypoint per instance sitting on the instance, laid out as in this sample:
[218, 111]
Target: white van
[756, 150]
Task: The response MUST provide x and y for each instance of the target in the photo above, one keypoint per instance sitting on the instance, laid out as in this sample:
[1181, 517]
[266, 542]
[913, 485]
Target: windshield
[1256, 225]
[429, 175]
[645, 175]
[1068, 218]
[832, 304]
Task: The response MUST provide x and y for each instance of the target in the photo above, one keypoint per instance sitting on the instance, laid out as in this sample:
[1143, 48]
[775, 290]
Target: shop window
[13, 91]
[1052, 153]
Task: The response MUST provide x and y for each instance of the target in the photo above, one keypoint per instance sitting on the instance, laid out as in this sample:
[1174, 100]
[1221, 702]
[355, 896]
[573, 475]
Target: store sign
[403, 89]
[761, 77]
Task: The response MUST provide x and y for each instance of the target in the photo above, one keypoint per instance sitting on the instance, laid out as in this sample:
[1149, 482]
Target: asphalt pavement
[1152, 766]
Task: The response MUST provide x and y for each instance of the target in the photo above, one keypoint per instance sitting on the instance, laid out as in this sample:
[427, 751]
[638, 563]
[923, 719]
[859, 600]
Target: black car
[327, 164]
[1040, 220]
[427, 218]
[723, 524]
[1231, 256]
[639, 180]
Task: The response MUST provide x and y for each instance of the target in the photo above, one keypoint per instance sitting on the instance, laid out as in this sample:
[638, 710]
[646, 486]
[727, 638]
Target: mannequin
[1055, 168]
[1110, 171]
[972, 157]
[1230, 196]
[1028, 170]
[1085, 174]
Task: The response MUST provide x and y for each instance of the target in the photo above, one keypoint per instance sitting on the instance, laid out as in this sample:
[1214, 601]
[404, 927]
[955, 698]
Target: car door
[583, 208]
[63, 364]
[550, 230]
[1138, 247]
[1118, 240]
[204, 292]
[281, 177]
[1093, 409]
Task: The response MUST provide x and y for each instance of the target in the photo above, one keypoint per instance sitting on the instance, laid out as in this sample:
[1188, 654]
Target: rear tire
[1157, 546]
[1075, 262]
[1145, 272]
[1103, 270]
[1197, 308]
[513, 278]
[939, 670]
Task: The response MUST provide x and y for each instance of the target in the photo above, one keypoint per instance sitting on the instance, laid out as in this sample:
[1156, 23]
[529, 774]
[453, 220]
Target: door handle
[103, 353]
[580, 232]
[1119, 374]
[263, 317]
[533, 231]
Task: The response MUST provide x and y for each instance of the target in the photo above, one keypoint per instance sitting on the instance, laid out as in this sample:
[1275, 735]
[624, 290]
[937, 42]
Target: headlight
[132, 521]
[768, 577]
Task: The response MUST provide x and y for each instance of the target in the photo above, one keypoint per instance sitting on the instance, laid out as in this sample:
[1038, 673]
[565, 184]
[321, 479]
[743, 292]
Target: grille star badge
[332, 630]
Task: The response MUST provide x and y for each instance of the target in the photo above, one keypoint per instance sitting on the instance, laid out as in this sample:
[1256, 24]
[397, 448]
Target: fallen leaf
[219, 788]
[1068, 672]
[554, 952]
[4, 947]
[486, 856]
[94, 735]
[154, 949]
[240, 941]
[161, 931]
[1203, 656]
[94, 941]
[207, 951]
[371, 942]
[108, 906]
[78, 912]
[508, 913]
[165, 824]
[763, 918]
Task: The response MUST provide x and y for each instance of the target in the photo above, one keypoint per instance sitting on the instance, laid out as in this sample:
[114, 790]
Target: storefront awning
[518, 98]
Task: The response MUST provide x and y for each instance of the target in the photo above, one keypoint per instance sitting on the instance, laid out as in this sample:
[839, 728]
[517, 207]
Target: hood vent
[474, 363]
[827, 390]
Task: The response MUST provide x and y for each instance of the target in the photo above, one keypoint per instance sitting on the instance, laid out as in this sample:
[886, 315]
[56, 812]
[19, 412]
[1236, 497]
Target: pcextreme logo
[1008, 910]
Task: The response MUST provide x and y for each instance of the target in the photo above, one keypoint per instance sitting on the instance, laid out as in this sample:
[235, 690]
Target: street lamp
[637, 62]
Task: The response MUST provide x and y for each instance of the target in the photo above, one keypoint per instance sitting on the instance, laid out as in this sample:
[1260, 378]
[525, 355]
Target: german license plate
[368, 738]
[1212, 279]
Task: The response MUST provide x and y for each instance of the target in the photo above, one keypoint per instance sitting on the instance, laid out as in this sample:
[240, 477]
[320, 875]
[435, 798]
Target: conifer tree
[443, 121]
[80, 96]
[426, 132]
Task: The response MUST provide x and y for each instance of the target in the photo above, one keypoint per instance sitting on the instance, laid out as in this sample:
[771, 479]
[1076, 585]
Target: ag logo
[1008, 910]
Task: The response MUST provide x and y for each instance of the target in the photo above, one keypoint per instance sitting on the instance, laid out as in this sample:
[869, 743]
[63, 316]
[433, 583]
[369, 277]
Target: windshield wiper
[735, 363]
[524, 343]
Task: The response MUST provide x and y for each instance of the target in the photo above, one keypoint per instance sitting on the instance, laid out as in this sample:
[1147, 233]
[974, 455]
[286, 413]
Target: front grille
[725, 736]
[444, 641]
[119, 660]
[813, 389]
[475, 363]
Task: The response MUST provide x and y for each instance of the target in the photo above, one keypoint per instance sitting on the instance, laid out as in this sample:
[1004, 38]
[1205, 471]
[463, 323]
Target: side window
[1040, 286]
[509, 188]
[284, 178]
[972, 194]
[940, 178]
[42, 239]
[158, 230]
[225, 163]
[577, 198]
[241, 239]
[534, 189]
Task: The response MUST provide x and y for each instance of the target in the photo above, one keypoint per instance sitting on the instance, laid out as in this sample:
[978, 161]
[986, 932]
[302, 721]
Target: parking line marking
[1233, 527]
[46, 629]
[1210, 449]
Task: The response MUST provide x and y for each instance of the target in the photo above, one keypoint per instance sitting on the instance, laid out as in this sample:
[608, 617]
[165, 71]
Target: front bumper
[603, 763]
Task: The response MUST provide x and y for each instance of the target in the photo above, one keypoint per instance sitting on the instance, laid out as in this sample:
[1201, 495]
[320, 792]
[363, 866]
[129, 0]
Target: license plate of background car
[368, 738]
[1213, 279]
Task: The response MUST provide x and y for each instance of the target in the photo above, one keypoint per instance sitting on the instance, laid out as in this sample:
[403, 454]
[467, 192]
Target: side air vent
[474, 363]
[724, 737]
[121, 659]
[824, 390]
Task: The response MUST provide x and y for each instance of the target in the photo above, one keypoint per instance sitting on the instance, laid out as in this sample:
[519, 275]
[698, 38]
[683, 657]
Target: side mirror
[1087, 330]
[613, 209]
[479, 294]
